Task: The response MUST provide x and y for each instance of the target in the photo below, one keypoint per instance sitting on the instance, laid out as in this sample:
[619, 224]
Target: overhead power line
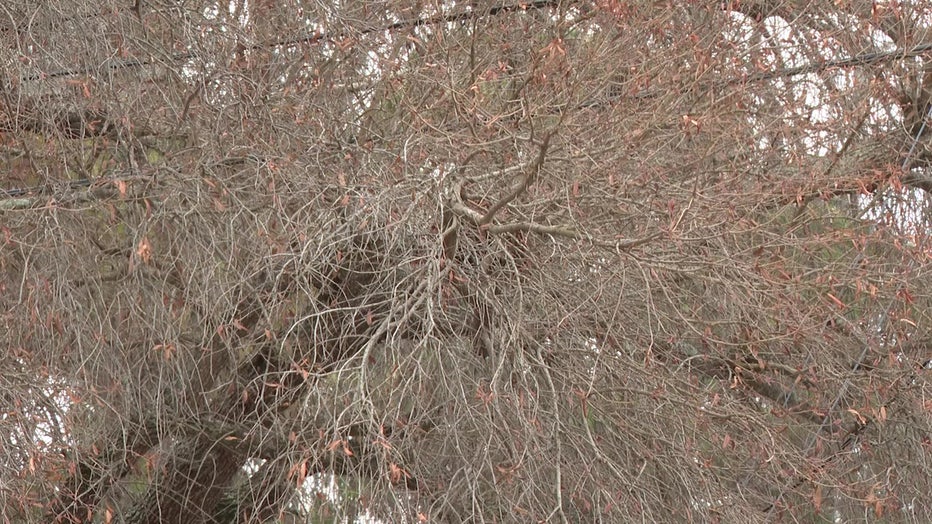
[306, 38]
[854, 61]
[322, 36]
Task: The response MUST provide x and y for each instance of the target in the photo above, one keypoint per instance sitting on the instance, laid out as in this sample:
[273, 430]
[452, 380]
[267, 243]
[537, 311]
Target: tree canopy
[405, 261]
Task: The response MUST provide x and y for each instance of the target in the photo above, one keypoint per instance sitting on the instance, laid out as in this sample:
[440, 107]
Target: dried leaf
[144, 250]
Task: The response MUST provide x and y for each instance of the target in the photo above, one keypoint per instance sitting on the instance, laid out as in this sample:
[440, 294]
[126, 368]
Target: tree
[532, 261]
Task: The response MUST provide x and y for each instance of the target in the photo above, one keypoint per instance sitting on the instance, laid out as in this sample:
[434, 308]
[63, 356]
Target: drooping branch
[90, 476]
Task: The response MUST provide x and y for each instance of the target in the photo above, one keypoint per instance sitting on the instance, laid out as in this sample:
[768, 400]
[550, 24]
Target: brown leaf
[144, 250]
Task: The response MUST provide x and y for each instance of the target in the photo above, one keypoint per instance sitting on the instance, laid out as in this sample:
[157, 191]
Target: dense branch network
[574, 261]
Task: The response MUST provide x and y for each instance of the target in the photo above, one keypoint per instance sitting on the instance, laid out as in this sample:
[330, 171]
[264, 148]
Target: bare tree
[548, 260]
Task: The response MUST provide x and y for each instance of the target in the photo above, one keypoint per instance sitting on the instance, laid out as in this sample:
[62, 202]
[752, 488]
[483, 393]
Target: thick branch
[529, 176]
[475, 217]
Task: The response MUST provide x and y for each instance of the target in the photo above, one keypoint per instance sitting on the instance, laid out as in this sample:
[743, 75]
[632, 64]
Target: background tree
[410, 261]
